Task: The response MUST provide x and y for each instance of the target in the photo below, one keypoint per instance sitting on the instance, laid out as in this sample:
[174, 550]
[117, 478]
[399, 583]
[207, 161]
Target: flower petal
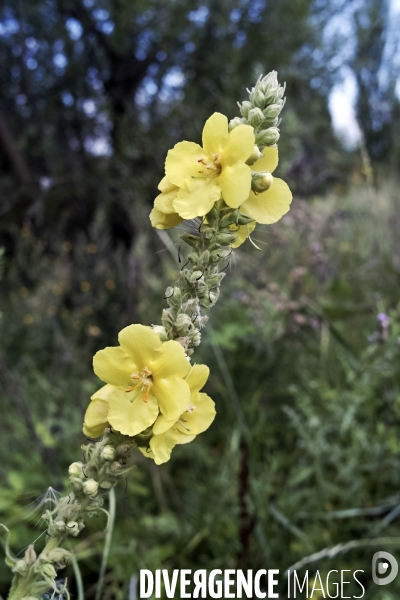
[146, 451]
[171, 363]
[173, 395]
[235, 183]
[141, 343]
[215, 134]
[166, 186]
[197, 378]
[164, 201]
[240, 145]
[196, 198]
[161, 425]
[182, 162]
[162, 445]
[131, 418]
[96, 418]
[243, 233]
[104, 392]
[201, 417]
[268, 161]
[160, 220]
[114, 366]
[270, 206]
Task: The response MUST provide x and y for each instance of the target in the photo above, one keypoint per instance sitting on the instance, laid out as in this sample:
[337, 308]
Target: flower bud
[76, 484]
[219, 255]
[20, 568]
[90, 488]
[60, 526]
[261, 182]
[160, 330]
[183, 322]
[272, 111]
[258, 98]
[193, 240]
[254, 156]
[106, 485]
[76, 470]
[204, 258]
[48, 571]
[229, 218]
[73, 528]
[195, 276]
[267, 137]
[30, 555]
[235, 123]
[226, 238]
[123, 450]
[115, 467]
[167, 317]
[245, 107]
[196, 338]
[215, 280]
[244, 219]
[256, 117]
[59, 557]
[108, 452]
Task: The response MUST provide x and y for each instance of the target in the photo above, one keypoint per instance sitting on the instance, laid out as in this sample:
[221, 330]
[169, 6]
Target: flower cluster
[151, 392]
[262, 110]
[229, 168]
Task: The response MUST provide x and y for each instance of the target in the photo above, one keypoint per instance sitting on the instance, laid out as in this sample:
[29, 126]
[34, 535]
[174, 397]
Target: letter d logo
[382, 568]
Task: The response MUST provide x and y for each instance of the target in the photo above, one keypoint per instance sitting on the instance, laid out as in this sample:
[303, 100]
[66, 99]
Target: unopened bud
[30, 555]
[261, 182]
[161, 332]
[195, 338]
[76, 469]
[59, 526]
[76, 484]
[272, 111]
[245, 107]
[183, 322]
[258, 98]
[267, 137]
[48, 571]
[90, 488]
[106, 485]
[256, 117]
[108, 452]
[73, 528]
[59, 556]
[20, 568]
[244, 219]
[235, 123]
[226, 238]
[115, 467]
[254, 156]
[123, 450]
[195, 276]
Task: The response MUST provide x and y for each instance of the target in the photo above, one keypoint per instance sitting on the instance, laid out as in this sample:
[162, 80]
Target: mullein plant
[152, 398]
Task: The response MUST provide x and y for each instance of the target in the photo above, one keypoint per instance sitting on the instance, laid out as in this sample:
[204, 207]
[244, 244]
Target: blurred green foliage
[304, 452]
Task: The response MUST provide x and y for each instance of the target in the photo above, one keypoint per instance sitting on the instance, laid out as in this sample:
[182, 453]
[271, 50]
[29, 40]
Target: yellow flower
[97, 412]
[269, 206]
[149, 377]
[198, 416]
[163, 215]
[203, 174]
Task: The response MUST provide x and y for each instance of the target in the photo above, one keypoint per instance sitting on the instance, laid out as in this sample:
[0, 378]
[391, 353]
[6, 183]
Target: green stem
[107, 543]
[78, 578]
